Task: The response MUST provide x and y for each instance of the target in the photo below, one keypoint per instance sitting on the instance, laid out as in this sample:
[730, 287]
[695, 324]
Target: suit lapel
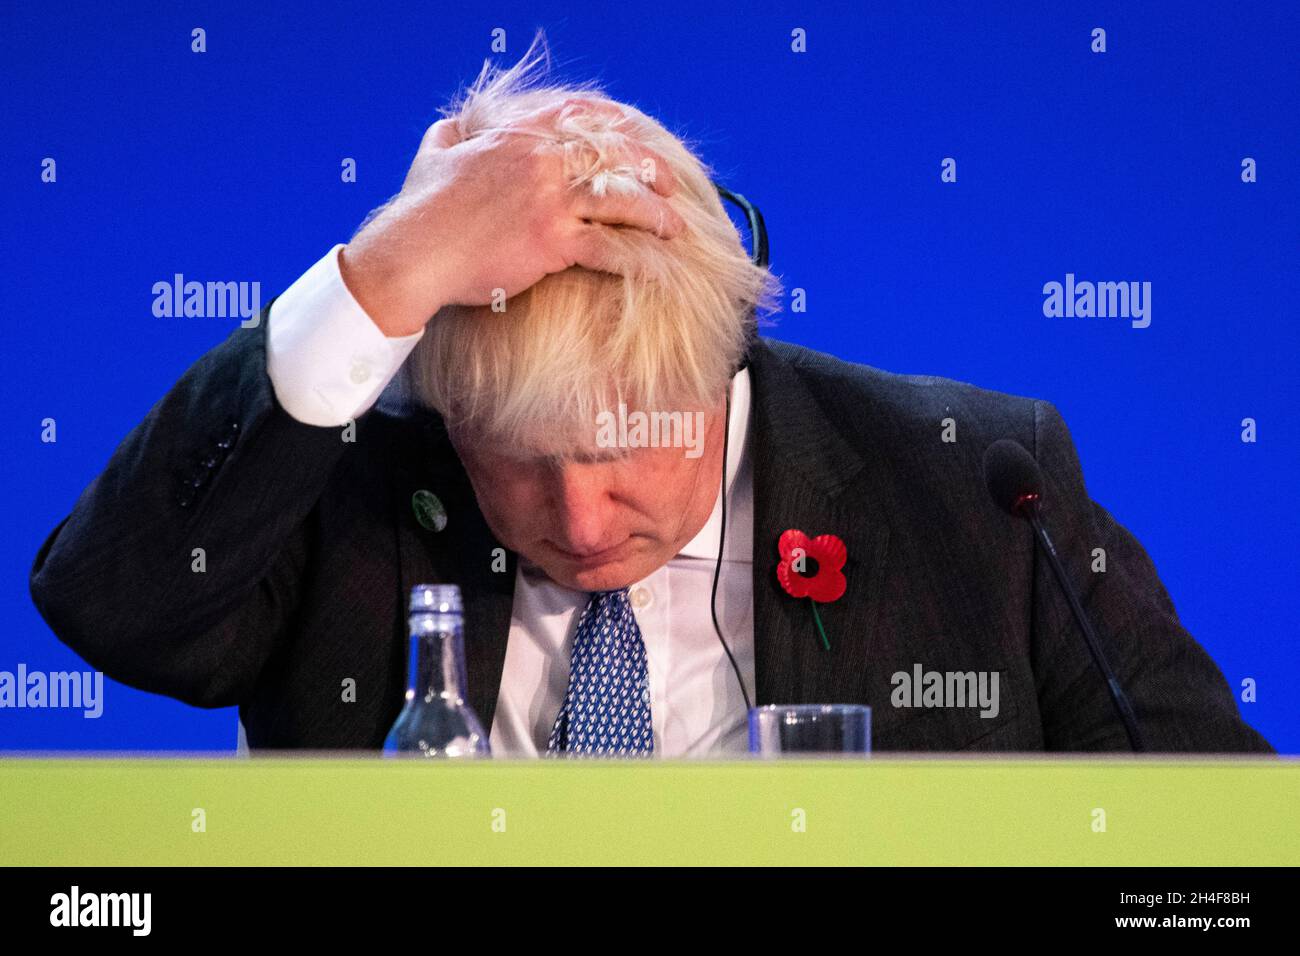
[465, 552]
[802, 466]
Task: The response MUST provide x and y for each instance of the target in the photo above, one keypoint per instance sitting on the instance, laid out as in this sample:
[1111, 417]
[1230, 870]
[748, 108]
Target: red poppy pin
[812, 568]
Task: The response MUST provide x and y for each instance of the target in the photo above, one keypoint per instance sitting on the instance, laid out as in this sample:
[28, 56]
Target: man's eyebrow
[589, 457]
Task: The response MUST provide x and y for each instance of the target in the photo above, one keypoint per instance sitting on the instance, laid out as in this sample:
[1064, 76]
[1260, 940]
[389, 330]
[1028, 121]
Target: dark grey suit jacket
[311, 548]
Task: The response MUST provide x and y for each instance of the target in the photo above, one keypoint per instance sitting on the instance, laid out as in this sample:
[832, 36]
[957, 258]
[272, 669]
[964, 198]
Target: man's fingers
[549, 117]
[646, 211]
[589, 246]
[651, 168]
[441, 135]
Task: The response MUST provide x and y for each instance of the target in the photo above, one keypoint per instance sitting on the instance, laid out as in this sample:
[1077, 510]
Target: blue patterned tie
[606, 710]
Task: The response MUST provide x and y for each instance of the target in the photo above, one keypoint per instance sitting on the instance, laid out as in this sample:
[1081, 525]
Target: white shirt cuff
[327, 360]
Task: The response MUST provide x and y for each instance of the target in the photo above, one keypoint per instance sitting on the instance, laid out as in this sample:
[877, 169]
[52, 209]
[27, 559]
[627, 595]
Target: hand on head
[490, 214]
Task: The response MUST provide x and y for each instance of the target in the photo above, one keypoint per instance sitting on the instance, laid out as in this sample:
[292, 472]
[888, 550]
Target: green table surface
[884, 811]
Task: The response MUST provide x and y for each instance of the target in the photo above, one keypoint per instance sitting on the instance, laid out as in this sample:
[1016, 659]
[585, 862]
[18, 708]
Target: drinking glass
[779, 730]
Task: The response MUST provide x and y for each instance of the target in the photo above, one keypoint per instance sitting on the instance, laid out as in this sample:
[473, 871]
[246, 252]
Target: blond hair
[667, 336]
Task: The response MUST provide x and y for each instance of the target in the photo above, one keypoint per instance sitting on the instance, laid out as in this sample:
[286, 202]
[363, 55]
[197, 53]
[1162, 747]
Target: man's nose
[581, 507]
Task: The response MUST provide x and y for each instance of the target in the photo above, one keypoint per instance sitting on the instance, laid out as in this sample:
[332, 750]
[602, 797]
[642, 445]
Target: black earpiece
[758, 253]
[757, 228]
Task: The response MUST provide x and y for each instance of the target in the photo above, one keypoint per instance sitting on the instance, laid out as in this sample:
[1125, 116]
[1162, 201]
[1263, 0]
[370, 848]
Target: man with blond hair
[547, 342]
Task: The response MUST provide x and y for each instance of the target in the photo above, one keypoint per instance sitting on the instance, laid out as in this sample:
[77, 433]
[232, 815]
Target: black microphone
[1016, 483]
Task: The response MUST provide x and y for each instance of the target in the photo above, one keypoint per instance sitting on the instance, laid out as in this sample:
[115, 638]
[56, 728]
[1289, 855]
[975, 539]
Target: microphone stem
[1122, 705]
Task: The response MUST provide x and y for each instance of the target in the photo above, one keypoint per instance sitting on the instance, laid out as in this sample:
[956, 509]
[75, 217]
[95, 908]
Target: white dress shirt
[328, 363]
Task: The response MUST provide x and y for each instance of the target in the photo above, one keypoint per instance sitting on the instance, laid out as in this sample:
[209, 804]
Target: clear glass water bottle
[436, 721]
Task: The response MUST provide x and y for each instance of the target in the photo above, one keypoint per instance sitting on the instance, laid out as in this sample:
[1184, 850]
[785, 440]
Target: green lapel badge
[429, 510]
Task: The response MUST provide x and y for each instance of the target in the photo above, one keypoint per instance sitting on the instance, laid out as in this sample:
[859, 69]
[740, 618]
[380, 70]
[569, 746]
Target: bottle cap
[436, 599]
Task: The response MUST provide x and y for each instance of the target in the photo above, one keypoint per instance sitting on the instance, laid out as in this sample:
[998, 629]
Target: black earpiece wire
[759, 253]
[717, 567]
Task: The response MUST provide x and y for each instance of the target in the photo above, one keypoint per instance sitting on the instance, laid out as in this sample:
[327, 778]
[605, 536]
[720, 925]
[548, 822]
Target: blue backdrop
[1125, 165]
